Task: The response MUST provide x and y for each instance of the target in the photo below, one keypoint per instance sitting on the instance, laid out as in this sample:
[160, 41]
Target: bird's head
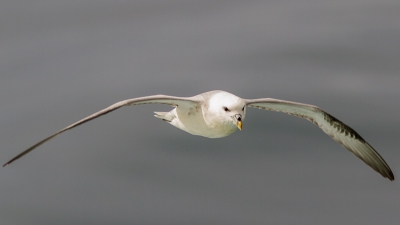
[228, 109]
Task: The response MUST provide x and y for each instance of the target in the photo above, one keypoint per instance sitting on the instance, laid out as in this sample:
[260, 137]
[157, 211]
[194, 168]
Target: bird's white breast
[192, 121]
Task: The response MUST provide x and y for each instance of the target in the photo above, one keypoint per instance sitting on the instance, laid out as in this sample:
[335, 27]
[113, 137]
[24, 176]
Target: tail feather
[166, 116]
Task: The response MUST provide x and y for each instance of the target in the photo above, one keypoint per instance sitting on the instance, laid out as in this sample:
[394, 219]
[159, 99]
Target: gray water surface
[63, 60]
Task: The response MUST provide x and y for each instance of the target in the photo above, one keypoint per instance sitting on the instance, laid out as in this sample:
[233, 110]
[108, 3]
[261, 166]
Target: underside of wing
[160, 99]
[336, 129]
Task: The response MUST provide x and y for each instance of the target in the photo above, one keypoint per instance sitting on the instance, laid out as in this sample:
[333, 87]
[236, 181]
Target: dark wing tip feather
[364, 151]
[32, 148]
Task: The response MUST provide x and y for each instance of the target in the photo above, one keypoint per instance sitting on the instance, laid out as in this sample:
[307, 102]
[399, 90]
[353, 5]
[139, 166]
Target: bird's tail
[166, 116]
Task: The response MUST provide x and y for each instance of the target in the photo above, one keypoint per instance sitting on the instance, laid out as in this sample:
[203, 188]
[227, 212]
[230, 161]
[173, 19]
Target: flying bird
[217, 114]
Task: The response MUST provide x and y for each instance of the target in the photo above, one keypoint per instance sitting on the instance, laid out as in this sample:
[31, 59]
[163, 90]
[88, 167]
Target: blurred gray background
[63, 60]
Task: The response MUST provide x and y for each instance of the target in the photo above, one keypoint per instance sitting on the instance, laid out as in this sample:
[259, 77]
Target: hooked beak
[238, 120]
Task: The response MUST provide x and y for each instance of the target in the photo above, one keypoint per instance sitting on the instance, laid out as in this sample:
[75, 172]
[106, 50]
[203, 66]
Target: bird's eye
[226, 109]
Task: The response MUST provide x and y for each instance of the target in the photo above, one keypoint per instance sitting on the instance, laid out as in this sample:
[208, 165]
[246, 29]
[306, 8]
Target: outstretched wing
[336, 129]
[162, 99]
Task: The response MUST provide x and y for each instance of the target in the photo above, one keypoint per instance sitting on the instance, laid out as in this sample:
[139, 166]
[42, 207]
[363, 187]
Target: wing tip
[391, 176]
[10, 161]
[386, 173]
[6, 164]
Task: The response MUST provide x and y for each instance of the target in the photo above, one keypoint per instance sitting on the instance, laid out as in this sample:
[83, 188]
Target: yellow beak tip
[239, 125]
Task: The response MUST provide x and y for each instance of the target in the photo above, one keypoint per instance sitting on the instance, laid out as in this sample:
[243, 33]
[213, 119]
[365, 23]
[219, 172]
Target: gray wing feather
[336, 129]
[161, 99]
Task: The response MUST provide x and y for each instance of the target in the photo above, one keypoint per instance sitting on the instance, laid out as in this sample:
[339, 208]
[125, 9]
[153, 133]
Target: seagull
[217, 114]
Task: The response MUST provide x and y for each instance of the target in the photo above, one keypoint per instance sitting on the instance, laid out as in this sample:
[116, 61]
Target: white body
[194, 119]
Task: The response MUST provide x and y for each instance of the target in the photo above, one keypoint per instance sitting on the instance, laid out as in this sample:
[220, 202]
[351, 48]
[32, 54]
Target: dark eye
[226, 109]
[243, 108]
